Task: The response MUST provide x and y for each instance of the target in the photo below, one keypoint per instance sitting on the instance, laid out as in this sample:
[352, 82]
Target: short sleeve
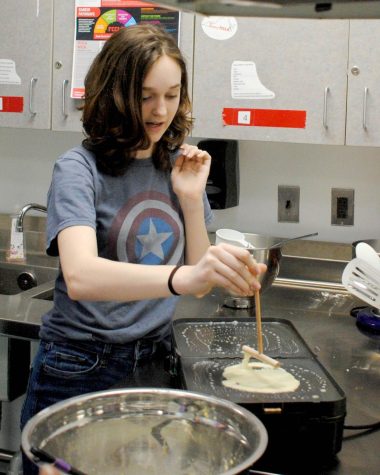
[71, 197]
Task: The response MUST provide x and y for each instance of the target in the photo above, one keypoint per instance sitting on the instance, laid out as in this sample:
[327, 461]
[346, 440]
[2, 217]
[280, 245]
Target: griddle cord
[369, 427]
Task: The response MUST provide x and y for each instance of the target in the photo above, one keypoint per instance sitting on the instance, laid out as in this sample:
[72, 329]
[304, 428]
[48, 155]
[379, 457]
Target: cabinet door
[363, 101]
[186, 43]
[65, 114]
[25, 63]
[300, 72]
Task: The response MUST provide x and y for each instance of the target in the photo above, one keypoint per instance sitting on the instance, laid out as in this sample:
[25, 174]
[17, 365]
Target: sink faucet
[24, 210]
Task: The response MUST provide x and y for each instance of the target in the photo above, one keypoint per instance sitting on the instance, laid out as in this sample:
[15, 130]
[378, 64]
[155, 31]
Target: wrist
[171, 286]
[178, 281]
[191, 204]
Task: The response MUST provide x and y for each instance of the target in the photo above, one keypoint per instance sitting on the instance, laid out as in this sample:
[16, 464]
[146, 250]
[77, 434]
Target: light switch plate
[288, 204]
[342, 206]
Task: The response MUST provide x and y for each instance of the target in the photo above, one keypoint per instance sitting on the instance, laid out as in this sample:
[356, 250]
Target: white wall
[26, 161]
[27, 157]
[316, 169]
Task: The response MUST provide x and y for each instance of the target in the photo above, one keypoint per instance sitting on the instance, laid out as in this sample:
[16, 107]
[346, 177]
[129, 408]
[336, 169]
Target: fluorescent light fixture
[328, 9]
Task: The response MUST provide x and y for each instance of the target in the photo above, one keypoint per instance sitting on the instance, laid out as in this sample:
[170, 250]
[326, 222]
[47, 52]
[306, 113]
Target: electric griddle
[308, 421]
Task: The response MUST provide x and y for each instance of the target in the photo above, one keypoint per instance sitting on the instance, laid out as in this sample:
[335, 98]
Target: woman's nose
[160, 107]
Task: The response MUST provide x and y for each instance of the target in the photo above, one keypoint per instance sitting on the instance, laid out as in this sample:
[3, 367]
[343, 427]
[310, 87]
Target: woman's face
[160, 98]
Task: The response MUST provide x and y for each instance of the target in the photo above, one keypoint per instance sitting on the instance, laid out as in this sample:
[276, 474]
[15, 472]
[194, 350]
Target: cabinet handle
[64, 84]
[365, 108]
[327, 90]
[31, 96]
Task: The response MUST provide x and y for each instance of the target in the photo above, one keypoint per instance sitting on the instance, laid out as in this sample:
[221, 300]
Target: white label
[245, 82]
[8, 73]
[1, 103]
[219, 27]
[16, 250]
[244, 117]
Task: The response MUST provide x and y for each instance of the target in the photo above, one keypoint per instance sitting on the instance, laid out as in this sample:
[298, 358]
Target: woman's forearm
[197, 240]
[90, 277]
[189, 178]
[95, 278]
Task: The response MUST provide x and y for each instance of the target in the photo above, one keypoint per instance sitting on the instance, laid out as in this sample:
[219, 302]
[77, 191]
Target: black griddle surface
[213, 338]
[205, 347]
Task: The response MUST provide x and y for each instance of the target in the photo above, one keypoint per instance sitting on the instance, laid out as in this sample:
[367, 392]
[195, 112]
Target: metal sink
[19, 277]
[19, 284]
[44, 294]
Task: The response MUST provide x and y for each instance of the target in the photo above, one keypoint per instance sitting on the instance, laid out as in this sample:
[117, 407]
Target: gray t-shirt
[137, 219]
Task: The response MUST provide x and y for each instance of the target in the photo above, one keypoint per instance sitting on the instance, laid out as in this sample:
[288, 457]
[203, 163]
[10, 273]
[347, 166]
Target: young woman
[127, 215]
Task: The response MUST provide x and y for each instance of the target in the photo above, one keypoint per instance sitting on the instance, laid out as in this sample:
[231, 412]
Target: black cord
[374, 426]
[364, 428]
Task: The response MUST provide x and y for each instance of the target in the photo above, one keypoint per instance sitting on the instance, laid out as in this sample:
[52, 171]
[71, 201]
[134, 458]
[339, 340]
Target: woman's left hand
[190, 172]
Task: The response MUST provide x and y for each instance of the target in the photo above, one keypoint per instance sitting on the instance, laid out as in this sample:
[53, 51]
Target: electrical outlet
[342, 206]
[288, 204]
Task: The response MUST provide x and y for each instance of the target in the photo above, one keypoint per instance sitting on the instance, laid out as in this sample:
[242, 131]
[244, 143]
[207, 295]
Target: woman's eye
[169, 96]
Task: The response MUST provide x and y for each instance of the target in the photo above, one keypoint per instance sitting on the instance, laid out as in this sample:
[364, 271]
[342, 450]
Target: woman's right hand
[223, 265]
[48, 470]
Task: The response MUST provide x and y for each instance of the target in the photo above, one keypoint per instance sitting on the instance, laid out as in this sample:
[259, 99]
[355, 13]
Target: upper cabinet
[363, 100]
[186, 44]
[36, 60]
[64, 113]
[25, 63]
[271, 79]
[290, 80]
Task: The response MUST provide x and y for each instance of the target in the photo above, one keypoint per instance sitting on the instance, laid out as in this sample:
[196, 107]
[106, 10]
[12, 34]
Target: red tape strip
[11, 104]
[265, 118]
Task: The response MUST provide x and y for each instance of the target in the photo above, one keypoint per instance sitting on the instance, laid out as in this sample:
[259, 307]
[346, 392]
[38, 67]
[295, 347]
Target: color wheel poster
[97, 20]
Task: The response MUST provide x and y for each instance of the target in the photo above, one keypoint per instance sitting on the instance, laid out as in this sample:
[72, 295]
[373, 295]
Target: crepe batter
[259, 377]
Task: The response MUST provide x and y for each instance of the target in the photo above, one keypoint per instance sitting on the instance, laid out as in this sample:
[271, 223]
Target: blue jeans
[65, 369]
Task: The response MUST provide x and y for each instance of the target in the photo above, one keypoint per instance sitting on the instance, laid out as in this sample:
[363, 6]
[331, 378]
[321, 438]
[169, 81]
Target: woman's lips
[154, 125]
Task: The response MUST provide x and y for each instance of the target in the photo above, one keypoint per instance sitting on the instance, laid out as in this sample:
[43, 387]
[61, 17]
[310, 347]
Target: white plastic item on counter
[362, 280]
[366, 252]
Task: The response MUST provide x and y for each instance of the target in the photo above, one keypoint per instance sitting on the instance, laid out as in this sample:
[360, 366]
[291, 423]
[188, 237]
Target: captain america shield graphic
[147, 230]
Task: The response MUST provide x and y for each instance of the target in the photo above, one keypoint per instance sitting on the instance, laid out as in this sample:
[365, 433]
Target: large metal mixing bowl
[263, 252]
[155, 431]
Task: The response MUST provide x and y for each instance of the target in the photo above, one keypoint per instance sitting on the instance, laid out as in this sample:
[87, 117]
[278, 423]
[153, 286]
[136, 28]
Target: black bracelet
[170, 280]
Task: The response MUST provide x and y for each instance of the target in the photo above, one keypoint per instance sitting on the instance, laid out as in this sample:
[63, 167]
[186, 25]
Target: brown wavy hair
[112, 117]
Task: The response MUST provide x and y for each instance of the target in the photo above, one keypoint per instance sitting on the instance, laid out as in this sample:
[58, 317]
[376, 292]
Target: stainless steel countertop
[20, 314]
[320, 313]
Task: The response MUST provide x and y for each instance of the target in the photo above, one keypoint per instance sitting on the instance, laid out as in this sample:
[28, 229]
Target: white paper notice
[8, 73]
[84, 54]
[97, 20]
[245, 83]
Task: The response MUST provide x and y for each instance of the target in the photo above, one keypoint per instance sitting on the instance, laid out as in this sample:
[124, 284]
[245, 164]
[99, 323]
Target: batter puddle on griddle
[259, 378]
